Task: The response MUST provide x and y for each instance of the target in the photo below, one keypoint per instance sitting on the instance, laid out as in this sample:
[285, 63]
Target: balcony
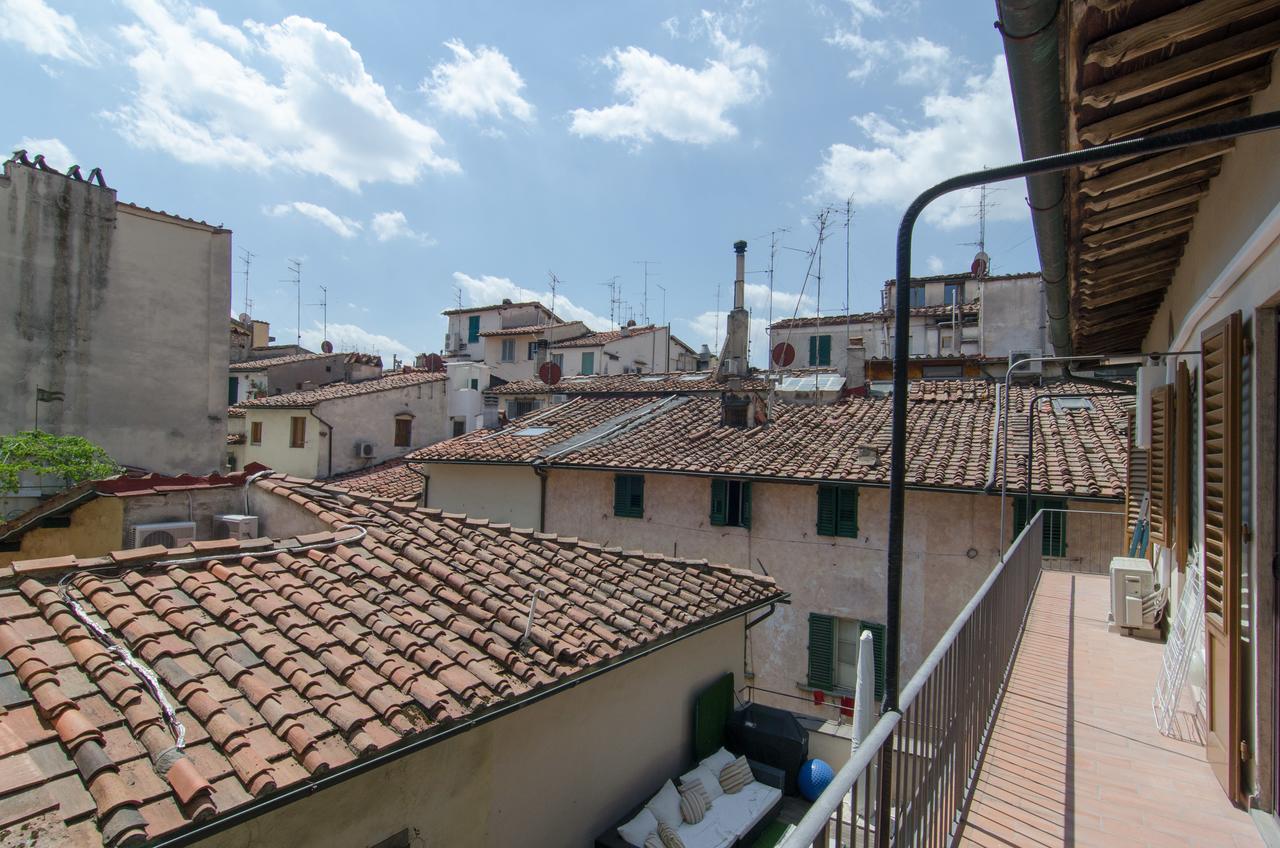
[1030, 724]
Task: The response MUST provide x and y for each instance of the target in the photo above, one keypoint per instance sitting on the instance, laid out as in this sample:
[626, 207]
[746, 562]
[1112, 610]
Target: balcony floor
[1075, 758]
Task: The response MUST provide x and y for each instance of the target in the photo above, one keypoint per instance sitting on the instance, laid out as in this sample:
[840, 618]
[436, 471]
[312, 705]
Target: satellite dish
[244, 318]
[549, 373]
[783, 354]
[433, 362]
[981, 263]
[326, 346]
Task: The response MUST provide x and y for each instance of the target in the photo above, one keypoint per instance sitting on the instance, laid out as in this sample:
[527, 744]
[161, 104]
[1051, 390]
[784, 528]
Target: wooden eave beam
[1200, 172]
[1148, 259]
[1142, 208]
[1131, 317]
[1113, 281]
[1145, 285]
[1159, 33]
[1230, 112]
[1124, 232]
[1154, 167]
[1144, 240]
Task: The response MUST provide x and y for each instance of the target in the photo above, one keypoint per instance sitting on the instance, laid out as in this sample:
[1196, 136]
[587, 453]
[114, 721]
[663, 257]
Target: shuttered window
[838, 511]
[820, 350]
[1053, 531]
[628, 495]
[1135, 480]
[1161, 457]
[473, 329]
[1220, 400]
[1181, 484]
[731, 503]
[829, 653]
[404, 431]
[297, 432]
[255, 433]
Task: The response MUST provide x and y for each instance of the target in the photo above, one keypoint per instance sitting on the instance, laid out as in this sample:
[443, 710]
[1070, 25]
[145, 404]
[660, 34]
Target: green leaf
[73, 458]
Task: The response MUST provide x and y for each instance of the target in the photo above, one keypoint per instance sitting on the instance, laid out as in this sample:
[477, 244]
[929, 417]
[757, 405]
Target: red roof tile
[302, 400]
[263, 364]
[463, 310]
[673, 382]
[392, 479]
[598, 339]
[936, 311]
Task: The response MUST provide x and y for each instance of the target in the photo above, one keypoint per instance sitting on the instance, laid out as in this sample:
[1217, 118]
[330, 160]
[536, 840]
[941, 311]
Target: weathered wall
[96, 529]
[1013, 316]
[556, 773]
[505, 493]
[275, 452]
[123, 310]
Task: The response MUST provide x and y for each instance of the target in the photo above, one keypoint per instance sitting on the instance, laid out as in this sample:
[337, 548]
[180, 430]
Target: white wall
[503, 493]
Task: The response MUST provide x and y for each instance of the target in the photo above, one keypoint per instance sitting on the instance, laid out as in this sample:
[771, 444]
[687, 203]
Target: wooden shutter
[1135, 480]
[824, 350]
[719, 502]
[744, 509]
[628, 496]
[1181, 484]
[473, 329]
[297, 432]
[822, 651]
[1221, 351]
[813, 350]
[1161, 459]
[847, 511]
[877, 641]
[827, 510]
[1053, 534]
[1019, 515]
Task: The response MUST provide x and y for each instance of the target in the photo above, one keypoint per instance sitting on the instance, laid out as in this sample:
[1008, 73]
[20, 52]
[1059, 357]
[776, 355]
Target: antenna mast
[247, 258]
[644, 311]
[324, 306]
[295, 268]
[555, 284]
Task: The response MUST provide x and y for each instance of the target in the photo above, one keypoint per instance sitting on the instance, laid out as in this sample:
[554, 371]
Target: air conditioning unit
[170, 534]
[364, 450]
[1134, 599]
[1016, 356]
[235, 526]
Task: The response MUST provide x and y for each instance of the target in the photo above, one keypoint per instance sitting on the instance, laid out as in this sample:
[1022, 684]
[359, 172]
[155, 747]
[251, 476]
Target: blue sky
[411, 154]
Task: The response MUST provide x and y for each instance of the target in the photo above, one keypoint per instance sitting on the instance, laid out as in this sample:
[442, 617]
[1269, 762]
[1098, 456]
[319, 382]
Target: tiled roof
[235, 438]
[597, 339]
[303, 400]
[936, 311]
[391, 479]
[235, 412]
[949, 436]
[532, 329]
[287, 660]
[673, 382]
[262, 364]
[464, 310]
[967, 275]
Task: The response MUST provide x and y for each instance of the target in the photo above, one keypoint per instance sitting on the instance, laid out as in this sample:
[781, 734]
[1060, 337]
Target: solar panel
[812, 383]
[532, 431]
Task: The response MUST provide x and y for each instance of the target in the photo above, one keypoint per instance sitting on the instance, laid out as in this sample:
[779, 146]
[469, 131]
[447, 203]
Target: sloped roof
[303, 400]
[671, 382]
[464, 310]
[606, 337]
[289, 659]
[271, 361]
[537, 329]
[935, 311]
[1079, 453]
[391, 479]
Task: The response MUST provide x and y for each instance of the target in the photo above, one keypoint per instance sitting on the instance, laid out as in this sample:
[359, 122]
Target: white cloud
[868, 53]
[43, 31]
[934, 264]
[388, 226]
[476, 84]
[345, 227]
[486, 289]
[959, 133]
[294, 94]
[55, 152]
[708, 327]
[927, 63]
[352, 337]
[675, 102]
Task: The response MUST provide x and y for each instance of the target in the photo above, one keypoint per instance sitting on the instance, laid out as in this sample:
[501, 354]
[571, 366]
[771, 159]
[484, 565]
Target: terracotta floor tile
[1075, 758]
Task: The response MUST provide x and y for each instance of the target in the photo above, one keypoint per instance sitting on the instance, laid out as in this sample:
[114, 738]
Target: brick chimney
[855, 364]
[733, 356]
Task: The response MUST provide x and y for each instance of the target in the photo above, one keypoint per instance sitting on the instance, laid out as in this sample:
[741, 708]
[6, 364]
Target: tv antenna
[644, 312]
[457, 296]
[664, 302]
[555, 284]
[615, 299]
[983, 207]
[247, 258]
[324, 307]
[295, 268]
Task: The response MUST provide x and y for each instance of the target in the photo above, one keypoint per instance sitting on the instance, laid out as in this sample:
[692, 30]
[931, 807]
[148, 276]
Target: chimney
[740, 281]
[733, 356]
[855, 364]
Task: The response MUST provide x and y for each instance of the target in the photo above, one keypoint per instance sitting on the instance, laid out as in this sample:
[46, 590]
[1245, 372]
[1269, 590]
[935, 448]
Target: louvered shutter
[1135, 480]
[1053, 533]
[719, 502]
[822, 651]
[1019, 515]
[1181, 484]
[745, 507]
[826, 510]
[847, 511]
[813, 350]
[1161, 456]
[877, 640]
[824, 350]
[628, 496]
[637, 496]
[1220, 354]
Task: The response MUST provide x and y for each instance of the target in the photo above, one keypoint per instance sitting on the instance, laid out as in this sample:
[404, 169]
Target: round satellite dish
[244, 318]
[433, 362]
[549, 373]
[783, 354]
[326, 346]
[981, 263]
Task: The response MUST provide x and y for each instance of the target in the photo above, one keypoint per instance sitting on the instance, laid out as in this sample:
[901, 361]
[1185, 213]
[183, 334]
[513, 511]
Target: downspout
[540, 468]
[426, 478]
[329, 427]
[1031, 31]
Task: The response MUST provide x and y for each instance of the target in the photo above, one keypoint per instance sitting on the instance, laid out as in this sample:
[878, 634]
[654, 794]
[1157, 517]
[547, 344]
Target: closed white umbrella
[864, 696]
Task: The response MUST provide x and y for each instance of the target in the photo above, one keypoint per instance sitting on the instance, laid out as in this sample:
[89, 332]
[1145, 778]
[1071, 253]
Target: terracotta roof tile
[598, 339]
[285, 665]
[272, 361]
[672, 382]
[936, 311]
[402, 379]
[533, 329]
[462, 310]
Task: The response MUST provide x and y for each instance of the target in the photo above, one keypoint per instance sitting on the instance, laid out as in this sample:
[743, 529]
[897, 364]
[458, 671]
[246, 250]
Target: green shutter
[746, 503]
[473, 329]
[822, 651]
[719, 502]
[1019, 515]
[1053, 538]
[847, 512]
[877, 641]
[824, 350]
[827, 510]
[628, 496]
[813, 350]
[589, 363]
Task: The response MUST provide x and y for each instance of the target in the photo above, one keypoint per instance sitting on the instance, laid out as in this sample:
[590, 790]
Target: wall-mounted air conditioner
[1029, 353]
[364, 450]
[235, 526]
[170, 534]
[1133, 594]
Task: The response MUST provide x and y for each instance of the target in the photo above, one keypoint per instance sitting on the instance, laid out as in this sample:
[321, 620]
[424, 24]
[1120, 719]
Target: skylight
[1064, 404]
[532, 431]
[690, 378]
[650, 379]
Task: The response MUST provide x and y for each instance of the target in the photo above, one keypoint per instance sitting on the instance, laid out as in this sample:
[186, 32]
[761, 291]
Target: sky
[417, 156]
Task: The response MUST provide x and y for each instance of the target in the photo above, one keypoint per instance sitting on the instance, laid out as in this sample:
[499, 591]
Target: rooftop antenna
[984, 207]
[717, 316]
[295, 268]
[555, 284]
[664, 302]
[615, 299]
[247, 258]
[457, 296]
[848, 225]
[773, 253]
[644, 312]
[324, 306]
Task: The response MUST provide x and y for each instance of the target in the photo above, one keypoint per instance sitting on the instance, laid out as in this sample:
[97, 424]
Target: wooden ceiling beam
[1132, 229]
[1143, 208]
[1206, 97]
[1144, 240]
[1146, 259]
[1230, 112]
[1194, 63]
[1154, 167]
[1201, 172]
[1148, 284]
[1098, 282]
[1159, 33]
[1121, 315]
[1134, 297]
[1127, 340]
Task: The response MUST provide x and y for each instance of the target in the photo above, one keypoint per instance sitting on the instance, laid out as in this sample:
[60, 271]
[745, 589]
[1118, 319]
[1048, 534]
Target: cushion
[653, 841]
[638, 828]
[741, 811]
[665, 806]
[694, 785]
[735, 776]
[670, 839]
[693, 804]
[707, 777]
[717, 761]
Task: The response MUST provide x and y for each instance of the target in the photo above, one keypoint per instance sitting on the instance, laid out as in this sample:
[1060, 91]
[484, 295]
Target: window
[475, 384]
[1161, 459]
[819, 350]
[917, 296]
[1053, 533]
[297, 432]
[731, 503]
[524, 406]
[833, 652]
[233, 390]
[255, 433]
[950, 294]
[533, 350]
[628, 495]
[838, 511]
[459, 426]
[558, 359]
[473, 329]
[508, 350]
[404, 431]
[588, 363]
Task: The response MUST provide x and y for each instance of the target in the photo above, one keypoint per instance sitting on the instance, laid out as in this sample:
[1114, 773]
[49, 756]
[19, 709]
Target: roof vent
[868, 455]
[506, 301]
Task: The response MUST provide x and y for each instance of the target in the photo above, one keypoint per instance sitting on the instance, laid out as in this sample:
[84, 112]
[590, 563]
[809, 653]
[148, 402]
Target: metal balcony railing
[910, 779]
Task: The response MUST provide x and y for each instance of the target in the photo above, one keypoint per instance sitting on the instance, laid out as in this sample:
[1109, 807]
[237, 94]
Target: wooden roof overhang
[1133, 68]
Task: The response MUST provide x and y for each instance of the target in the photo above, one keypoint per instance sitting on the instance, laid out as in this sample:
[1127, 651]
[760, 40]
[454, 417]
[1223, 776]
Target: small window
[628, 495]
[533, 350]
[404, 431]
[233, 390]
[297, 432]
[1053, 531]
[917, 296]
[731, 503]
[473, 329]
[255, 433]
[838, 511]
[588, 363]
[523, 406]
[558, 359]
[833, 653]
[475, 384]
[951, 294]
[459, 427]
[819, 350]
[508, 350]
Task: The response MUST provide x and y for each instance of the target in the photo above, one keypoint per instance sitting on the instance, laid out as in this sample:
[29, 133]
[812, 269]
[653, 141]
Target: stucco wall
[275, 452]
[504, 493]
[96, 529]
[123, 310]
[556, 773]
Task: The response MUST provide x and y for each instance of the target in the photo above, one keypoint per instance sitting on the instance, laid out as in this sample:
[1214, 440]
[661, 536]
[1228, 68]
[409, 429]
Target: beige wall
[275, 452]
[504, 493]
[96, 529]
[556, 773]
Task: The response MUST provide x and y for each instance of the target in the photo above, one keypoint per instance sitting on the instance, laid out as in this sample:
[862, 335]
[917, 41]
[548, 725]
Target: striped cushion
[735, 776]
[693, 805]
[670, 839]
[695, 784]
[654, 841]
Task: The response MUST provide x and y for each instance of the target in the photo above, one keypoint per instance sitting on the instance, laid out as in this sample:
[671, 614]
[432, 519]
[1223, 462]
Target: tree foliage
[73, 458]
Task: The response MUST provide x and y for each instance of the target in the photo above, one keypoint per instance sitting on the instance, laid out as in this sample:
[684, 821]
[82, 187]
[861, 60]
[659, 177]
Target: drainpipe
[540, 468]
[329, 428]
[1031, 43]
[426, 478]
